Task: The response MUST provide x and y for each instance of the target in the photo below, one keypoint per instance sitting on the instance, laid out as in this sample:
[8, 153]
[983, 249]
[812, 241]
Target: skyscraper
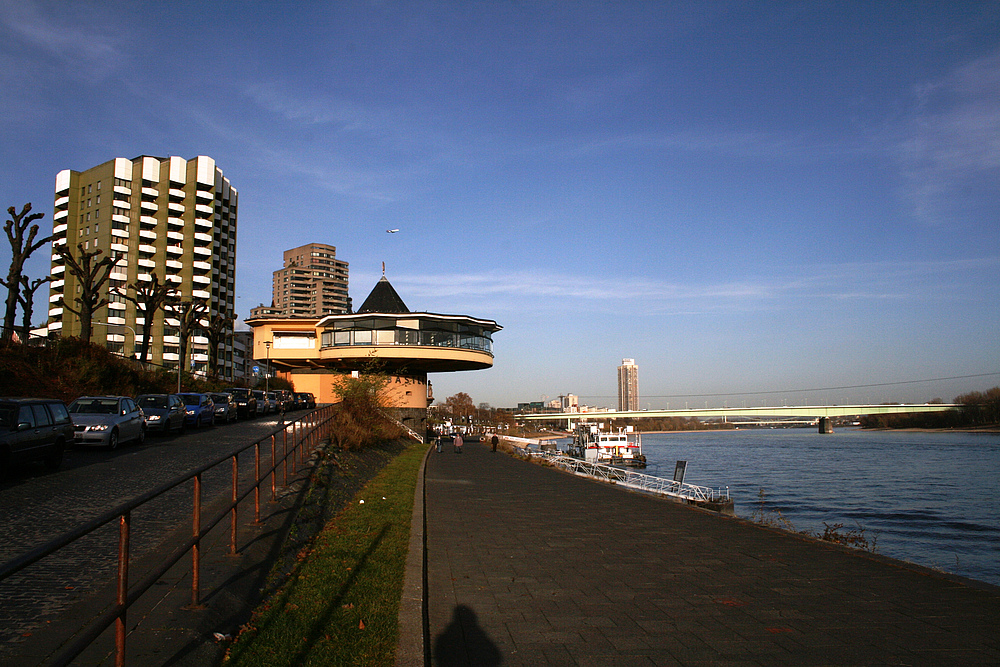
[169, 216]
[628, 385]
[312, 283]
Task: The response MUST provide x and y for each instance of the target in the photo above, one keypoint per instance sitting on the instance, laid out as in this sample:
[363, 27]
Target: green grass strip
[340, 606]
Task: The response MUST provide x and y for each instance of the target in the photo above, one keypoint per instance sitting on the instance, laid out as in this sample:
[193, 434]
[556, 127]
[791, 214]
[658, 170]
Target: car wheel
[142, 435]
[113, 440]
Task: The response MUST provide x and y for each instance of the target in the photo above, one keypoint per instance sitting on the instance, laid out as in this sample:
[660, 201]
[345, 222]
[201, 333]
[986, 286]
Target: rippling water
[929, 498]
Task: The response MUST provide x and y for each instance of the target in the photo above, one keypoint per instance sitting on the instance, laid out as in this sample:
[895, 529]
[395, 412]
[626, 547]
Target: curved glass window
[449, 335]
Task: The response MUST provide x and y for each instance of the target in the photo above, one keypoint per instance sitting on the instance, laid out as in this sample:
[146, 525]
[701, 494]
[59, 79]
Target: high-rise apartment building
[312, 283]
[169, 216]
[628, 385]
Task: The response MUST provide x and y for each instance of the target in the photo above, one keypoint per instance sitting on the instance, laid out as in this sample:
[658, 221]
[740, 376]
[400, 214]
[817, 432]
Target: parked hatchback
[33, 428]
[225, 407]
[246, 403]
[306, 400]
[107, 421]
[163, 412]
[200, 409]
[263, 406]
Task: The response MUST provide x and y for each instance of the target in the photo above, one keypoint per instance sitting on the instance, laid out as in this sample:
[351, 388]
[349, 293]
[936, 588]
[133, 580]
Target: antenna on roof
[383, 269]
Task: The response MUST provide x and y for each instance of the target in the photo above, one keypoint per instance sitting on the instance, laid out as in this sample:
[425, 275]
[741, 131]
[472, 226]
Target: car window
[25, 415]
[130, 405]
[191, 399]
[94, 406]
[7, 413]
[176, 402]
[59, 413]
[41, 415]
[152, 401]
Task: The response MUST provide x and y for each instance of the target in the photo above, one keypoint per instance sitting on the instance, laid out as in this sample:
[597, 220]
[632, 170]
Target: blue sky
[747, 198]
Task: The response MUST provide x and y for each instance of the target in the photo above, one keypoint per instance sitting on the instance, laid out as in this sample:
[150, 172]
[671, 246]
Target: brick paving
[527, 565]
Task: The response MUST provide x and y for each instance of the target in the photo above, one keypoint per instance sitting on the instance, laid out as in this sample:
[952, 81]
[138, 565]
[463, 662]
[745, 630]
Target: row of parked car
[43, 428]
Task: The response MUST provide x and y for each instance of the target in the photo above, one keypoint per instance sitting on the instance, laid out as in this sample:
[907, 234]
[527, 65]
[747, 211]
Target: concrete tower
[628, 385]
[171, 216]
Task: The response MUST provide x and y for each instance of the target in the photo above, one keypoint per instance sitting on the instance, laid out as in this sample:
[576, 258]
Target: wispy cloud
[891, 281]
[760, 145]
[340, 115]
[83, 50]
[954, 139]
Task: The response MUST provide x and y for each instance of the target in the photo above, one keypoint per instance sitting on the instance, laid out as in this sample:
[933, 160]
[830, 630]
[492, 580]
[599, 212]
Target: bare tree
[189, 314]
[460, 406]
[90, 276]
[219, 330]
[20, 249]
[149, 297]
[26, 298]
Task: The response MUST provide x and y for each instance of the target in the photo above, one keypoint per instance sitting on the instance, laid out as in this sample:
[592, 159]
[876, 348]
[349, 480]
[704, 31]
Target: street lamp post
[267, 368]
[109, 325]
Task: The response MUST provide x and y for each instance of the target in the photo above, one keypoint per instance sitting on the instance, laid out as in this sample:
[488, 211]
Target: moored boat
[623, 448]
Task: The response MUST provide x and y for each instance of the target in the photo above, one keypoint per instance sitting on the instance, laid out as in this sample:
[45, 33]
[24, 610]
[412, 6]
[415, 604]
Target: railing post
[295, 446]
[257, 480]
[124, 535]
[196, 548]
[274, 471]
[233, 513]
[284, 455]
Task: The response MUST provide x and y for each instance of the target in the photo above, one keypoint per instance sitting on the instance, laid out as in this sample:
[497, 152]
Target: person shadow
[463, 642]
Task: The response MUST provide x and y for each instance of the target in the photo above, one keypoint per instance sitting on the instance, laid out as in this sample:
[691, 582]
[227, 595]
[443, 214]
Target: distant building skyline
[628, 385]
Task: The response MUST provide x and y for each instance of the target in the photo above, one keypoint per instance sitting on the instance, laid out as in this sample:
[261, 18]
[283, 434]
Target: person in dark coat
[495, 441]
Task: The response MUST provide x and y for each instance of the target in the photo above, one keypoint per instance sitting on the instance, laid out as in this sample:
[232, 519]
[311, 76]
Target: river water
[928, 498]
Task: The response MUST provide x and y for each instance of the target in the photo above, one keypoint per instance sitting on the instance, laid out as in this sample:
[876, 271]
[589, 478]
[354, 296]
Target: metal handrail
[306, 434]
[635, 480]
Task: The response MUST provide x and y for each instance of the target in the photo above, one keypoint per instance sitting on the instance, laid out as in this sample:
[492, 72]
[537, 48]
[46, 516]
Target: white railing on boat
[635, 480]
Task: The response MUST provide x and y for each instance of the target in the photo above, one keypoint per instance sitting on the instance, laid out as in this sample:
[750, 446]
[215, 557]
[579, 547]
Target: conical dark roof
[383, 299]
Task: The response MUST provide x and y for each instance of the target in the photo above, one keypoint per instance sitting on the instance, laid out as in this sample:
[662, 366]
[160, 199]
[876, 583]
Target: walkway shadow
[465, 643]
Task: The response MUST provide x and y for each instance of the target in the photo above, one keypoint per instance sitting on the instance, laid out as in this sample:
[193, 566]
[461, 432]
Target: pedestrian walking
[439, 441]
[458, 443]
[495, 440]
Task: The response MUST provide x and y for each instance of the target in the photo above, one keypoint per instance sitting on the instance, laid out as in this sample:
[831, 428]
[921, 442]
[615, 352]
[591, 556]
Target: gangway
[637, 480]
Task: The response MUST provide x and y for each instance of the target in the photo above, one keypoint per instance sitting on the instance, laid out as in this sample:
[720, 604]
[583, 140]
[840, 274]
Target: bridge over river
[820, 414]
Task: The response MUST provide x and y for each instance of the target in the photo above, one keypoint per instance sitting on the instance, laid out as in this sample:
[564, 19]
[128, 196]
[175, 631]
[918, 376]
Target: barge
[593, 445]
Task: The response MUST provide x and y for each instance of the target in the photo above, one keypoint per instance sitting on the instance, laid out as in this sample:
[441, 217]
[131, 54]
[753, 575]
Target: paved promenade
[531, 566]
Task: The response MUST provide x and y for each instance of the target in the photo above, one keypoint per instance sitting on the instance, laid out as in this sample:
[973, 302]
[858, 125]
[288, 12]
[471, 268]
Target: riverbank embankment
[527, 566]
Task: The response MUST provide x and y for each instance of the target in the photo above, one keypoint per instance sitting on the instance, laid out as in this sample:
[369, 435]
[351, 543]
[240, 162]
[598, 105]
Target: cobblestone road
[37, 506]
